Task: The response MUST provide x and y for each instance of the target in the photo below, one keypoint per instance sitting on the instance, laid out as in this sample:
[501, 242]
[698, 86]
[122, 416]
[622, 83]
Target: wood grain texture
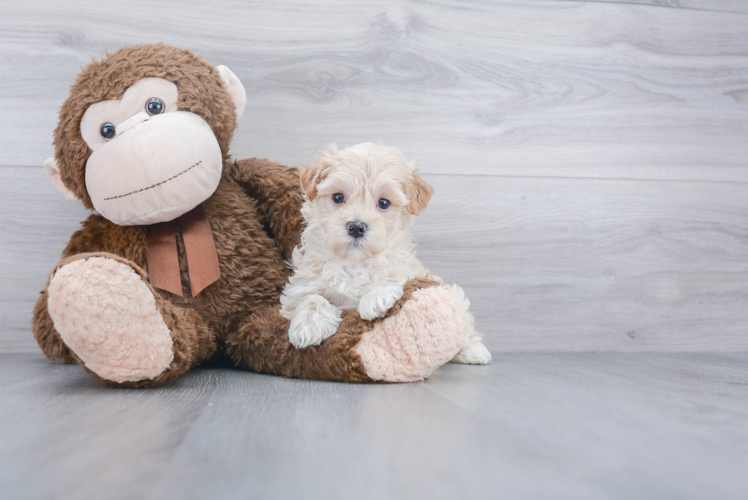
[728, 6]
[550, 264]
[528, 426]
[538, 88]
[590, 158]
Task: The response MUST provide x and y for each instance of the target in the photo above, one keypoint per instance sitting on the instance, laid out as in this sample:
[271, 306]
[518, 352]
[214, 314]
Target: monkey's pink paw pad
[424, 335]
[108, 316]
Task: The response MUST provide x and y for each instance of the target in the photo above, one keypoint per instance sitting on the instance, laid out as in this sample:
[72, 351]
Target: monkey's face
[146, 144]
[150, 162]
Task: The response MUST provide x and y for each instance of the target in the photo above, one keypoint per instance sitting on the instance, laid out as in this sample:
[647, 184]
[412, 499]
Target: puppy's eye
[107, 131]
[154, 106]
[338, 198]
[384, 203]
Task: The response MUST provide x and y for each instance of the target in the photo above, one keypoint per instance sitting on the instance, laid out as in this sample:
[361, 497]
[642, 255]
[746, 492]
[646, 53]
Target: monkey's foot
[425, 334]
[107, 315]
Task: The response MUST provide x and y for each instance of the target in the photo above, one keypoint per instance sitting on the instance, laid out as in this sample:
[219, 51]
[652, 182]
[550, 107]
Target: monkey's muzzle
[156, 169]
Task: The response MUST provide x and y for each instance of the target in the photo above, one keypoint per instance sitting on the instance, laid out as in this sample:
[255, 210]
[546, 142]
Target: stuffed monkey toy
[184, 259]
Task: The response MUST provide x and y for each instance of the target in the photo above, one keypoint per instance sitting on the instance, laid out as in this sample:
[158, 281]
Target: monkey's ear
[419, 195]
[309, 177]
[235, 88]
[53, 172]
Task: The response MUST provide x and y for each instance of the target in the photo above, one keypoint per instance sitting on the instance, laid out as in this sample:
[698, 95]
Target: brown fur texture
[257, 344]
[255, 218]
[275, 202]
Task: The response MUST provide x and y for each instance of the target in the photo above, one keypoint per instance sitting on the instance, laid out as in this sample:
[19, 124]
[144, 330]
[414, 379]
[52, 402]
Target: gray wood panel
[590, 158]
[584, 89]
[731, 6]
[529, 426]
[550, 264]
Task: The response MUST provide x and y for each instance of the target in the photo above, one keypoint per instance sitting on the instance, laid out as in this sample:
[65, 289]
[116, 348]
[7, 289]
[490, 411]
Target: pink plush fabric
[424, 335]
[108, 316]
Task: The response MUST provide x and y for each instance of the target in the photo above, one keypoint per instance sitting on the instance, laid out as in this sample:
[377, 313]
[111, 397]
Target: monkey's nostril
[356, 229]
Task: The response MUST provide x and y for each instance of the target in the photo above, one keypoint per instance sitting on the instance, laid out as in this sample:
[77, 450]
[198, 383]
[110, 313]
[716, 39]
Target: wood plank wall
[590, 158]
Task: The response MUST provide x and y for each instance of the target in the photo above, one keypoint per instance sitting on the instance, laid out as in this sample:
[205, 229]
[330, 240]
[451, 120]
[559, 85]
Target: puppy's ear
[317, 171]
[309, 177]
[419, 194]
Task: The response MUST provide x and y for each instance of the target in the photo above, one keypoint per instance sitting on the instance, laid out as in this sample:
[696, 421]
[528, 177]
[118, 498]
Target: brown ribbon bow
[202, 259]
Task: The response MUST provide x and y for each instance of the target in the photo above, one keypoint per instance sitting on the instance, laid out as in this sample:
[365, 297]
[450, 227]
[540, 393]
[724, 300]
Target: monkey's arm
[278, 193]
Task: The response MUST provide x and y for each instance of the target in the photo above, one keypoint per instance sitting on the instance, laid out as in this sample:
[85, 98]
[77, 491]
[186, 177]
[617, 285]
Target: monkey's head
[144, 133]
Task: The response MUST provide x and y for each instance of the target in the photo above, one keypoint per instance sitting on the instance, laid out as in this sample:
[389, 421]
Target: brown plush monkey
[184, 260]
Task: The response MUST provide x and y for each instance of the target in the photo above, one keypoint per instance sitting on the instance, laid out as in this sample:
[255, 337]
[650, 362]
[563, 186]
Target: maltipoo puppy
[356, 251]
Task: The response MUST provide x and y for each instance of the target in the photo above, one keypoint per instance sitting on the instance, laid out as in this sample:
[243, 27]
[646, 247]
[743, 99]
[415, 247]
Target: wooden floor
[545, 426]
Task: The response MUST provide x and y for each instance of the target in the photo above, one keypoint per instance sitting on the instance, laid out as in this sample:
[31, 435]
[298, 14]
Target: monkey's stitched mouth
[155, 185]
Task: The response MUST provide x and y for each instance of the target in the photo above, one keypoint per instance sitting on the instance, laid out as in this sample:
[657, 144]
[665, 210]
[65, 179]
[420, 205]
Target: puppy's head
[363, 198]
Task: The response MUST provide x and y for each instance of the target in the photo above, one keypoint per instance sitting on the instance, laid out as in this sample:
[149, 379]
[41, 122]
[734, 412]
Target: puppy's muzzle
[356, 229]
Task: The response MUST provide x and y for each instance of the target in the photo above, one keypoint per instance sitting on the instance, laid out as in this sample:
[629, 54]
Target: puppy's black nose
[356, 229]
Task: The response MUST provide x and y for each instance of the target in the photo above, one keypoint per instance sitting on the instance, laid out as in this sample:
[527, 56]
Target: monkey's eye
[384, 203]
[107, 131]
[338, 198]
[155, 106]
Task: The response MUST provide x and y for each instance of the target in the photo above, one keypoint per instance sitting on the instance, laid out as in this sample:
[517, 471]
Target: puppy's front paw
[314, 320]
[377, 302]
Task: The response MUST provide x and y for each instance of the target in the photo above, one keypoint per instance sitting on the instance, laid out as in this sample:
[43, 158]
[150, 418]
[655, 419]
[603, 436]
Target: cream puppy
[356, 251]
